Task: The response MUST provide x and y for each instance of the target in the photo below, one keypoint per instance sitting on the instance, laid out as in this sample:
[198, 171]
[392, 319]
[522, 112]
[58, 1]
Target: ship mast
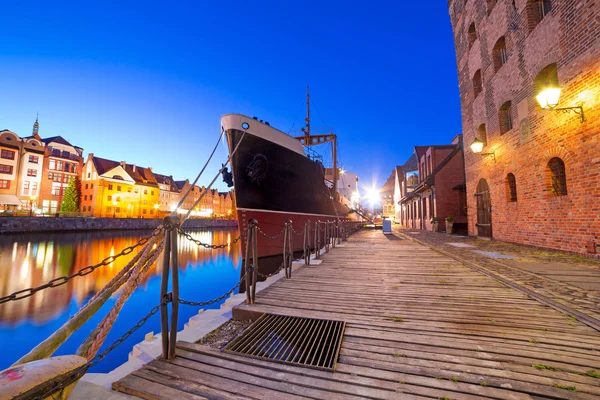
[312, 140]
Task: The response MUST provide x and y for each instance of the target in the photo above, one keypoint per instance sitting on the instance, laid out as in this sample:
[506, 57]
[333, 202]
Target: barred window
[557, 177]
[472, 35]
[511, 187]
[536, 11]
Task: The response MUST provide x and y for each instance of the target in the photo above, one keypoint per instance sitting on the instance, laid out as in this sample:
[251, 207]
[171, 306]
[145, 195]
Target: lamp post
[31, 201]
[115, 209]
[156, 206]
[548, 99]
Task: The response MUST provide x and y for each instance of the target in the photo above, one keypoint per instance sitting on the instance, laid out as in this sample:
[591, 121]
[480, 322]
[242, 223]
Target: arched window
[511, 187]
[505, 117]
[477, 84]
[472, 35]
[482, 134]
[557, 181]
[490, 6]
[536, 11]
[548, 76]
[499, 55]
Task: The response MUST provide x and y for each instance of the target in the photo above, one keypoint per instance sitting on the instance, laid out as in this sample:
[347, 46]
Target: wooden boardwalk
[419, 325]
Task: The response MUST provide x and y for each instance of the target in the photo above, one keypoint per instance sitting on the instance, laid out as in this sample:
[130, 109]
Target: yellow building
[118, 190]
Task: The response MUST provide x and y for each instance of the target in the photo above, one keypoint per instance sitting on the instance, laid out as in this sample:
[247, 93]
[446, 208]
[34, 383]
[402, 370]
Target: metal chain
[211, 246]
[269, 236]
[206, 303]
[272, 273]
[24, 293]
[75, 374]
[298, 232]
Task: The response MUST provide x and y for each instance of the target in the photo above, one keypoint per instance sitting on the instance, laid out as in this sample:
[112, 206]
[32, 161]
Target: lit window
[109, 198]
[31, 172]
[34, 159]
[6, 169]
[4, 184]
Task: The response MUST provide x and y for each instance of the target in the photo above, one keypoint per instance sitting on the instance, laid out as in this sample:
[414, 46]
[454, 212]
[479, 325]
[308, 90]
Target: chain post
[174, 287]
[171, 225]
[334, 233]
[317, 239]
[327, 235]
[164, 284]
[307, 227]
[254, 259]
[288, 249]
[248, 263]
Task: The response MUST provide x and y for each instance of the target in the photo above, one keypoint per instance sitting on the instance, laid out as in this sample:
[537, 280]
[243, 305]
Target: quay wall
[69, 224]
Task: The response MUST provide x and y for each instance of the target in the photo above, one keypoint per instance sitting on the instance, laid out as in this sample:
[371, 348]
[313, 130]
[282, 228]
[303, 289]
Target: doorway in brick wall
[484, 210]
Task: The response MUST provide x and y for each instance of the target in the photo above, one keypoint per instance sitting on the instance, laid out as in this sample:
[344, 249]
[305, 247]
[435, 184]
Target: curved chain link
[24, 293]
[269, 236]
[211, 246]
[206, 303]
[297, 232]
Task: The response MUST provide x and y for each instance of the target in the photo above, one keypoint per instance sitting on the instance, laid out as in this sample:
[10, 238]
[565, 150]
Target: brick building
[436, 189]
[537, 179]
[387, 197]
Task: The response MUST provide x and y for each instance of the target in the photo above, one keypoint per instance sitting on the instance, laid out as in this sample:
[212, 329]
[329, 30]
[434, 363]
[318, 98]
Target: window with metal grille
[477, 84]
[558, 177]
[511, 187]
[505, 117]
[499, 54]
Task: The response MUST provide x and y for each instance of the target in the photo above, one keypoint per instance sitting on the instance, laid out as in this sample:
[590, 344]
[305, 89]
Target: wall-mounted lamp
[548, 100]
[477, 148]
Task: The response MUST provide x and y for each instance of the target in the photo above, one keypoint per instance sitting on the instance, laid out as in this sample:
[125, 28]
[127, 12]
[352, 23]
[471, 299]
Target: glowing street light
[115, 203]
[548, 99]
[477, 148]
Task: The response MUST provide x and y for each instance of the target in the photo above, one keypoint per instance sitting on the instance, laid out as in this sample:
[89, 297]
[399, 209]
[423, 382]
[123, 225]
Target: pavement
[567, 282]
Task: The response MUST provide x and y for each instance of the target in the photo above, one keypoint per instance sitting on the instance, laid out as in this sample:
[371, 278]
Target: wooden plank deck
[420, 325]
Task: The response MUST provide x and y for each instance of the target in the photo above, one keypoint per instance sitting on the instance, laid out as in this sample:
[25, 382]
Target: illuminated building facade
[118, 190]
[533, 174]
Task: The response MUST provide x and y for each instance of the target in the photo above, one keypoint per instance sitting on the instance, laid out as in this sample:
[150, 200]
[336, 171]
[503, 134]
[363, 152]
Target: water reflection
[34, 259]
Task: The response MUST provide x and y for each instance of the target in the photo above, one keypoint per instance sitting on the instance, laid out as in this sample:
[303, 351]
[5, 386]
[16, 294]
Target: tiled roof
[167, 180]
[141, 175]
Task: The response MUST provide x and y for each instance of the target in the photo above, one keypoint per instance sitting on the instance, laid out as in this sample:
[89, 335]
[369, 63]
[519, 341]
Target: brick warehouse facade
[544, 175]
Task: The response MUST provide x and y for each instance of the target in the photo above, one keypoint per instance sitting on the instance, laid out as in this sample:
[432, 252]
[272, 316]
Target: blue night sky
[146, 82]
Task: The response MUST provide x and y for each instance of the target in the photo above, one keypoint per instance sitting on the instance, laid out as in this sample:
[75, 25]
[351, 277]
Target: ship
[276, 180]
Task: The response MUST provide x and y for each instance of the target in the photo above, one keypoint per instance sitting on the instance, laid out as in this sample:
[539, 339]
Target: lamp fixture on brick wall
[477, 148]
[548, 100]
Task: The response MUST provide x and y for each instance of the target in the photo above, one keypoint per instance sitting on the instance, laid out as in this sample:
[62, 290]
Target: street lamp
[31, 200]
[156, 208]
[115, 209]
[548, 100]
[477, 148]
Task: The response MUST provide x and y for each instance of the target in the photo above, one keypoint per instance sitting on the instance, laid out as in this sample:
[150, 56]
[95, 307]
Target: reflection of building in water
[26, 262]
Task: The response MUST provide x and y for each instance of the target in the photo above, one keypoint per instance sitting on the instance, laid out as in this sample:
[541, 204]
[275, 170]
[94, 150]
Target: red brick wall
[570, 37]
[447, 200]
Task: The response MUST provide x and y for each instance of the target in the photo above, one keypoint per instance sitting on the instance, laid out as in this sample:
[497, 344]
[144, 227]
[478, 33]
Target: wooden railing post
[288, 249]
[317, 239]
[307, 242]
[250, 267]
[170, 267]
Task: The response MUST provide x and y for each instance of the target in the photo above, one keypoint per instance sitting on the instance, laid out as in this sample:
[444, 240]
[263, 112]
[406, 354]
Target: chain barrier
[209, 302]
[24, 293]
[77, 373]
[269, 236]
[297, 232]
[212, 246]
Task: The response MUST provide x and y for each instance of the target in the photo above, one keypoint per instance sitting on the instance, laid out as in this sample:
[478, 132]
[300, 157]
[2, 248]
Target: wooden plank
[149, 390]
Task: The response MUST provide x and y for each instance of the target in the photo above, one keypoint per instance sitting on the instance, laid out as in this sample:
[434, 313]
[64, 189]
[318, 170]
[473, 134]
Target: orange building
[118, 190]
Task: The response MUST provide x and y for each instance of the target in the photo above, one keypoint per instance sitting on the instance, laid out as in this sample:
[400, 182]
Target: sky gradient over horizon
[147, 82]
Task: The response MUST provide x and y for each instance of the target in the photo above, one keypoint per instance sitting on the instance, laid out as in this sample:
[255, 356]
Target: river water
[30, 260]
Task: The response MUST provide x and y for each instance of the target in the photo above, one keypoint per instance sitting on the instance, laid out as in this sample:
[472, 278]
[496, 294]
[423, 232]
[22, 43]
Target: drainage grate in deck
[300, 341]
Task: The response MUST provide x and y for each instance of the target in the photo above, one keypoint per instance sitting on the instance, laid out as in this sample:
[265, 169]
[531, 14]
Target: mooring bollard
[170, 264]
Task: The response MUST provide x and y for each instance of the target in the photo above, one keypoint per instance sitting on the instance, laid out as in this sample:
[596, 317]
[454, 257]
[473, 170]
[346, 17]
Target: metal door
[484, 210]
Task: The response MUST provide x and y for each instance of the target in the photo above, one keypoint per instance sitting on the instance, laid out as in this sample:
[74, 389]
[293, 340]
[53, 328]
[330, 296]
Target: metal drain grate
[300, 341]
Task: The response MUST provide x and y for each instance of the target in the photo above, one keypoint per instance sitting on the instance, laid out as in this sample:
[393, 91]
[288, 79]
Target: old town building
[431, 187]
[387, 197]
[169, 193]
[529, 77]
[118, 190]
[10, 147]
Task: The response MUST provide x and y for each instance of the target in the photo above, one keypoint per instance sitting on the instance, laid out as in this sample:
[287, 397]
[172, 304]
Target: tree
[71, 196]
